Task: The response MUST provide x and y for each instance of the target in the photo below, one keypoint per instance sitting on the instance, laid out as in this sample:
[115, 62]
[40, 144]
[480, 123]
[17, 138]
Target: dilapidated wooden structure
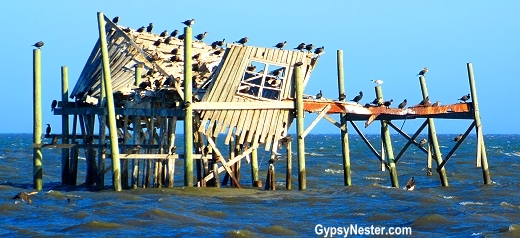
[139, 85]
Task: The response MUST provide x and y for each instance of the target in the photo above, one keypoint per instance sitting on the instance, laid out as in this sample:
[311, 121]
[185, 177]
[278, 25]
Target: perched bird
[388, 103]
[38, 44]
[218, 52]
[410, 185]
[429, 173]
[425, 101]
[243, 41]
[201, 36]
[196, 56]
[53, 105]
[157, 42]
[26, 197]
[157, 84]
[164, 33]
[127, 30]
[309, 47]
[280, 45]
[54, 140]
[141, 29]
[221, 42]
[149, 28]
[423, 71]
[378, 101]
[205, 151]
[48, 130]
[168, 40]
[377, 81]
[274, 158]
[301, 46]
[436, 104]
[181, 37]
[422, 142]
[189, 22]
[115, 19]
[135, 150]
[143, 85]
[175, 51]
[174, 33]
[320, 50]
[403, 104]
[277, 72]
[342, 97]
[251, 68]
[358, 98]
[465, 98]
[319, 95]
[173, 150]
[457, 138]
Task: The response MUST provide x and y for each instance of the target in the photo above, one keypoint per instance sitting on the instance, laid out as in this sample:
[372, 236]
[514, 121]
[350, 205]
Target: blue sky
[387, 40]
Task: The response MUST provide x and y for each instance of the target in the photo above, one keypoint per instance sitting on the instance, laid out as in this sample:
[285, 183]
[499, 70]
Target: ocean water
[465, 208]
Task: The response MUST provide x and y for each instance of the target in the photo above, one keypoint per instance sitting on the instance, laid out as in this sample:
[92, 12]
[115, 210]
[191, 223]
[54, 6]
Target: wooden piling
[37, 121]
[254, 169]
[344, 133]
[288, 174]
[387, 144]
[65, 155]
[433, 137]
[172, 125]
[270, 178]
[188, 118]
[302, 175]
[116, 171]
[73, 177]
[136, 122]
[102, 139]
[478, 123]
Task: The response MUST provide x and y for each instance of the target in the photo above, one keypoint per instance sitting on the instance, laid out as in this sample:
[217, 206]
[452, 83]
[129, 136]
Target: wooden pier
[139, 85]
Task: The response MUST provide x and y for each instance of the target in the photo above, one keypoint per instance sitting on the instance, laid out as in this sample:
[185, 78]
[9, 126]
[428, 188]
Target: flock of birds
[379, 100]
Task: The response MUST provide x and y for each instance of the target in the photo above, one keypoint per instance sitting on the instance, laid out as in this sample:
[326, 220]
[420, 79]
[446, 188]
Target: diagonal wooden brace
[222, 160]
[322, 113]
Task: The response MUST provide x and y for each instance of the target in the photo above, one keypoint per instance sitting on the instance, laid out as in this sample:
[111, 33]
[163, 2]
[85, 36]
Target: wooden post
[288, 174]
[74, 154]
[188, 118]
[344, 133]
[116, 171]
[136, 121]
[124, 163]
[102, 138]
[433, 136]
[138, 72]
[172, 125]
[65, 155]
[270, 178]
[302, 175]
[254, 169]
[387, 145]
[37, 120]
[215, 175]
[478, 123]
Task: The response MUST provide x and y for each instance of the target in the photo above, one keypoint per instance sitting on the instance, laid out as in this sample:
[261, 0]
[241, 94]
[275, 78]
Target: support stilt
[254, 169]
[347, 178]
[302, 175]
[188, 118]
[387, 144]
[37, 121]
[65, 155]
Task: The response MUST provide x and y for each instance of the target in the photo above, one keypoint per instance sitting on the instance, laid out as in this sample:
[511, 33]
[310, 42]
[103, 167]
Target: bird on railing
[300, 47]
[378, 101]
[173, 150]
[465, 98]
[457, 138]
[48, 130]
[280, 45]
[189, 22]
[422, 142]
[436, 104]
[243, 41]
[342, 96]
[200, 37]
[319, 95]
[115, 20]
[53, 105]
[388, 103]
[149, 28]
[425, 101]
[38, 44]
[54, 140]
[423, 72]
[174, 33]
[26, 197]
[358, 98]
[403, 104]
[410, 185]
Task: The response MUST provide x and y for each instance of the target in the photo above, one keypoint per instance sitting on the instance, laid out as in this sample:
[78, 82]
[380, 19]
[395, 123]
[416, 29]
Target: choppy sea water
[465, 208]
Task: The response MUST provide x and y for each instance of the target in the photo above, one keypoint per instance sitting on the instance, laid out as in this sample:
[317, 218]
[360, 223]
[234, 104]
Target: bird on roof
[196, 56]
[251, 67]
[143, 85]
[342, 96]
[181, 37]
[189, 22]
[174, 33]
[378, 101]
[168, 40]
[175, 51]
[319, 95]
[48, 130]
[436, 104]
[377, 81]
[200, 37]
[410, 185]
[157, 42]
[54, 140]
[300, 47]
[218, 52]
[388, 103]
[425, 101]
[38, 44]
[53, 105]
[277, 72]
[309, 47]
[243, 41]
[221, 42]
[457, 138]
[115, 20]
[127, 30]
[280, 45]
[319, 51]
[358, 97]
[141, 29]
[214, 45]
[164, 33]
[422, 142]
[149, 28]
[465, 98]
[26, 197]
[423, 72]
[157, 84]
[403, 104]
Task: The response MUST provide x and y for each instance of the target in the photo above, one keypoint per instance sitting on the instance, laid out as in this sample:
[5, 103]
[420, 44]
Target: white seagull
[377, 81]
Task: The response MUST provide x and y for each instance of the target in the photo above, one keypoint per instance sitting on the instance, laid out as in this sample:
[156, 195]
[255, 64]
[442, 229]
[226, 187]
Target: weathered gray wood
[222, 160]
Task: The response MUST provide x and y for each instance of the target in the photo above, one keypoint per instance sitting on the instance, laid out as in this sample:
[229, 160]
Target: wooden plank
[222, 160]
[244, 116]
[254, 137]
[316, 120]
[237, 114]
[231, 162]
[161, 156]
[243, 105]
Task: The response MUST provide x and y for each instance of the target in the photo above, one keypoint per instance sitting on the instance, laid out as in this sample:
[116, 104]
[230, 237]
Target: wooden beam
[334, 122]
[206, 106]
[316, 120]
[368, 144]
[448, 156]
[410, 139]
[162, 156]
[222, 160]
